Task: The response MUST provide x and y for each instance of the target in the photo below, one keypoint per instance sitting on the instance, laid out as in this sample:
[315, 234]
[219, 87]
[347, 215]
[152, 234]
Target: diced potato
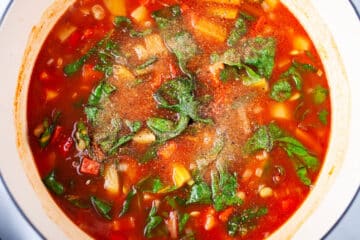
[140, 14]
[144, 137]
[116, 7]
[210, 222]
[111, 179]
[154, 44]
[65, 31]
[223, 12]
[210, 29]
[301, 43]
[280, 110]
[141, 52]
[230, 2]
[122, 73]
[180, 175]
[266, 192]
[269, 5]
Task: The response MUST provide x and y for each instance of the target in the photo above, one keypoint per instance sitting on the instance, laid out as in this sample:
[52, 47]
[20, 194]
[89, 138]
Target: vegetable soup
[169, 119]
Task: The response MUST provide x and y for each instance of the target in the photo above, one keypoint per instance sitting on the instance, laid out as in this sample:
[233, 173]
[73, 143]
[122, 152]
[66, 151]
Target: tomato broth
[178, 119]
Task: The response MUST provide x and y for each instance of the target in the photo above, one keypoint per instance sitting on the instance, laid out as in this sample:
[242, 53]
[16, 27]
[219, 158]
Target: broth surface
[178, 119]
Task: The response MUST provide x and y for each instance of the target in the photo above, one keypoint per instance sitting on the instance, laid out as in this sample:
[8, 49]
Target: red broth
[178, 119]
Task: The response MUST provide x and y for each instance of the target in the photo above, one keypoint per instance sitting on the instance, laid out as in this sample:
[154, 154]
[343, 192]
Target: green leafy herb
[224, 187]
[51, 183]
[102, 207]
[183, 45]
[152, 221]
[137, 34]
[125, 208]
[102, 90]
[323, 116]
[252, 77]
[49, 127]
[245, 221]
[121, 21]
[146, 64]
[165, 16]
[71, 68]
[281, 91]
[319, 94]
[266, 137]
[239, 31]
[133, 126]
[157, 185]
[302, 173]
[229, 73]
[200, 193]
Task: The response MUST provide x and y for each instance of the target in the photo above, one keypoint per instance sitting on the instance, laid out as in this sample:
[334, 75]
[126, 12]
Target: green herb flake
[200, 193]
[319, 94]
[281, 91]
[152, 221]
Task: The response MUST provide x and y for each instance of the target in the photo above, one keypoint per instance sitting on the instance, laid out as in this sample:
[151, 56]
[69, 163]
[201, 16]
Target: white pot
[333, 27]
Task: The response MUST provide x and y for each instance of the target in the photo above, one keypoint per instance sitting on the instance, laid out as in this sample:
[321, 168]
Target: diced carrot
[230, 2]
[223, 12]
[224, 215]
[58, 131]
[308, 140]
[167, 150]
[140, 14]
[280, 110]
[209, 29]
[89, 166]
[184, 7]
[172, 224]
[50, 94]
[269, 5]
[116, 7]
[89, 74]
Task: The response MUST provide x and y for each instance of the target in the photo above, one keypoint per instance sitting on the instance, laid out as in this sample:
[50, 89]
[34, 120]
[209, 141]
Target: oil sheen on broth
[178, 119]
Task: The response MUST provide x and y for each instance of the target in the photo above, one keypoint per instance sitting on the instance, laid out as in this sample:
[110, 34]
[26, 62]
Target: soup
[178, 119]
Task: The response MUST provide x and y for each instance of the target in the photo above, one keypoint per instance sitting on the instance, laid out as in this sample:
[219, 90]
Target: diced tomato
[89, 166]
[174, 70]
[224, 215]
[117, 236]
[89, 74]
[74, 40]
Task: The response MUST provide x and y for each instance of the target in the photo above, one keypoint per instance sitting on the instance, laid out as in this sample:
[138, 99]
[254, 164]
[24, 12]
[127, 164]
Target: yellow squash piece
[180, 175]
[111, 179]
[223, 12]
[116, 7]
[210, 29]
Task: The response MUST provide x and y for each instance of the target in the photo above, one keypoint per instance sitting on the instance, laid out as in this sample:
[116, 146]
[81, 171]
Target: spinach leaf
[183, 45]
[281, 91]
[260, 53]
[224, 187]
[157, 185]
[101, 207]
[150, 153]
[243, 222]
[133, 126]
[323, 116]
[121, 21]
[266, 137]
[102, 90]
[119, 142]
[252, 77]
[146, 64]
[51, 183]
[237, 32]
[49, 127]
[137, 34]
[126, 204]
[229, 72]
[200, 193]
[166, 16]
[152, 221]
[302, 173]
[71, 68]
[165, 129]
[319, 94]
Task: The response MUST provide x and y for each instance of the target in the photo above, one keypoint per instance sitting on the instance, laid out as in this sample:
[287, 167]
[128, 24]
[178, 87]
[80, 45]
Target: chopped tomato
[74, 39]
[89, 74]
[89, 166]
